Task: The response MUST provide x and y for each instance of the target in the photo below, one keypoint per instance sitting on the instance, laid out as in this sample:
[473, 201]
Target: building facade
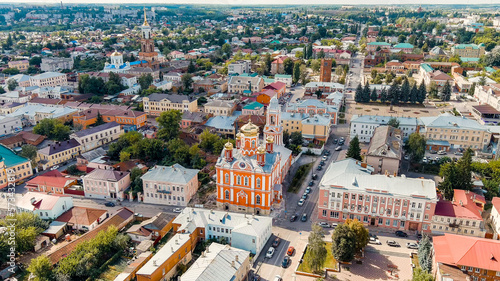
[385, 150]
[49, 79]
[157, 103]
[56, 64]
[106, 184]
[13, 168]
[220, 107]
[348, 190]
[98, 135]
[57, 153]
[173, 185]
[363, 126]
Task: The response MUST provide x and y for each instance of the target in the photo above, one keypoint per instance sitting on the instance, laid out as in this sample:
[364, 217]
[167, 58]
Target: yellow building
[58, 152]
[156, 103]
[21, 65]
[447, 131]
[13, 168]
[313, 128]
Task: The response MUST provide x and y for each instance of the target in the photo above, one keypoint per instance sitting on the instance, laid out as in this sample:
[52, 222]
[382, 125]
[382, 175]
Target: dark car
[322, 162]
[401, 233]
[433, 152]
[319, 168]
[311, 183]
[256, 278]
[286, 262]
[276, 242]
[109, 204]
[304, 217]
[373, 235]
[327, 152]
[294, 217]
[314, 176]
[335, 141]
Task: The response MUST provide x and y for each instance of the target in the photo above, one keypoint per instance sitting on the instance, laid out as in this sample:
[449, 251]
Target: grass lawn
[114, 269]
[299, 177]
[330, 261]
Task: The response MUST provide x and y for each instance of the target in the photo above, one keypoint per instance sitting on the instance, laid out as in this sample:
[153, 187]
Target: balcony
[164, 191]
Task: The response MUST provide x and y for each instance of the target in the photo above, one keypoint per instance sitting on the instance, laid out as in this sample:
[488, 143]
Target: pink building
[349, 190]
[104, 184]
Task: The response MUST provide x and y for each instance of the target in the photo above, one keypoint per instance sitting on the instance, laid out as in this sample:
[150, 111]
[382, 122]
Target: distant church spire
[145, 18]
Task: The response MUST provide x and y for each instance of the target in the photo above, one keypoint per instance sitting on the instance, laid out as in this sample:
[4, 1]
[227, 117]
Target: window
[227, 178]
[334, 215]
[346, 196]
[227, 194]
[353, 196]
[324, 213]
[395, 223]
[257, 199]
[387, 222]
[402, 224]
[258, 183]
[477, 270]
[238, 180]
[380, 221]
[470, 269]
[246, 181]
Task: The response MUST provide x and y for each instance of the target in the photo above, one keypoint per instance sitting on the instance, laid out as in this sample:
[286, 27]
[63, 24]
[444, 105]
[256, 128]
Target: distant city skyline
[262, 2]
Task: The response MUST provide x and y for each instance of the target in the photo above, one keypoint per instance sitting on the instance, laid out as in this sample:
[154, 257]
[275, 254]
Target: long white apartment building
[363, 126]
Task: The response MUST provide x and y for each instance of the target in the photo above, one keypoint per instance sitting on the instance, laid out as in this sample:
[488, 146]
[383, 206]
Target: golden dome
[249, 129]
[116, 54]
[228, 145]
[238, 135]
[270, 139]
[261, 150]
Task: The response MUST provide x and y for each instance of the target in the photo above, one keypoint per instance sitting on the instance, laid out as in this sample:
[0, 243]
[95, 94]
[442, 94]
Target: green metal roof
[10, 158]
[464, 59]
[253, 105]
[463, 46]
[379, 44]
[404, 46]
[426, 67]
[282, 76]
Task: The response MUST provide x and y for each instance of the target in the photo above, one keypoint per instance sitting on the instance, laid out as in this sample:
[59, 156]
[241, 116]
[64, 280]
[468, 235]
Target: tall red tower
[325, 74]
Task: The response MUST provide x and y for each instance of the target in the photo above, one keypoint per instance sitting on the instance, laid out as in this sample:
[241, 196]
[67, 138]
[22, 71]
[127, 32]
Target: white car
[323, 224]
[270, 253]
[54, 167]
[338, 148]
[177, 210]
[324, 158]
[278, 278]
[301, 202]
[374, 240]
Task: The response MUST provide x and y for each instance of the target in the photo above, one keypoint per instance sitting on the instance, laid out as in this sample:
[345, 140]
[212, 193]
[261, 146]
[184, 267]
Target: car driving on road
[393, 243]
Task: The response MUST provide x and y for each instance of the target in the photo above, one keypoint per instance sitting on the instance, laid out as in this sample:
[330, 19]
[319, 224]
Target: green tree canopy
[343, 243]
[354, 150]
[316, 248]
[415, 146]
[169, 122]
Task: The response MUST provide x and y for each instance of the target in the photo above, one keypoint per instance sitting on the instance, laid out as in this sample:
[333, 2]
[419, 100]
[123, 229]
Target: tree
[354, 150]
[446, 93]
[394, 93]
[358, 95]
[226, 49]
[125, 156]
[360, 232]
[393, 122]
[366, 92]
[2, 91]
[449, 173]
[343, 243]
[383, 95]
[41, 268]
[309, 51]
[415, 146]
[464, 170]
[303, 74]
[187, 81]
[145, 81]
[208, 140]
[296, 72]
[414, 94]
[12, 84]
[321, 54]
[99, 120]
[169, 122]
[316, 248]
[11, 71]
[405, 91]
[424, 254]
[296, 138]
[52, 129]
[60, 132]
[422, 93]
[191, 67]
[268, 60]
[420, 275]
[288, 66]
[316, 65]
[374, 73]
[472, 89]
[374, 95]
[29, 151]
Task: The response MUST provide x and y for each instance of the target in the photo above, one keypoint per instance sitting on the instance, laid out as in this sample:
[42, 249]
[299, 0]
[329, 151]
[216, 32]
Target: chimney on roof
[236, 258]
[33, 200]
[154, 262]
[232, 264]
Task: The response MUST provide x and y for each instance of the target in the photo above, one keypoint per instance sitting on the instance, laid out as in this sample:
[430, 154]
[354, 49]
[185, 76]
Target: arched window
[238, 180]
[258, 183]
[253, 143]
[257, 199]
[246, 181]
[273, 122]
[227, 178]
[227, 194]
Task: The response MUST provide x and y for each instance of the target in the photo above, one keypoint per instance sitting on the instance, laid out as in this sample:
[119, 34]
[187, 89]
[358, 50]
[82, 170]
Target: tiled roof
[459, 250]
[51, 179]
[386, 142]
[43, 201]
[172, 174]
[59, 146]
[171, 97]
[81, 215]
[455, 210]
[96, 129]
[101, 174]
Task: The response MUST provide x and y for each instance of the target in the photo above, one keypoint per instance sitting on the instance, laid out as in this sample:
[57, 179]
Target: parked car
[411, 245]
[335, 141]
[177, 210]
[304, 196]
[301, 202]
[374, 241]
[327, 152]
[319, 168]
[286, 262]
[323, 224]
[270, 253]
[432, 151]
[322, 162]
[393, 243]
[290, 251]
[311, 183]
[373, 235]
[333, 225]
[109, 204]
[441, 152]
[278, 278]
[256, 277]
[400, 233]
[324, 158]
[304, 217]
[54, 167]
[407, 157]
[276, 242]
[424, 160]
[294, 218]
[308, 190]
[314, 176]
[458, 153]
